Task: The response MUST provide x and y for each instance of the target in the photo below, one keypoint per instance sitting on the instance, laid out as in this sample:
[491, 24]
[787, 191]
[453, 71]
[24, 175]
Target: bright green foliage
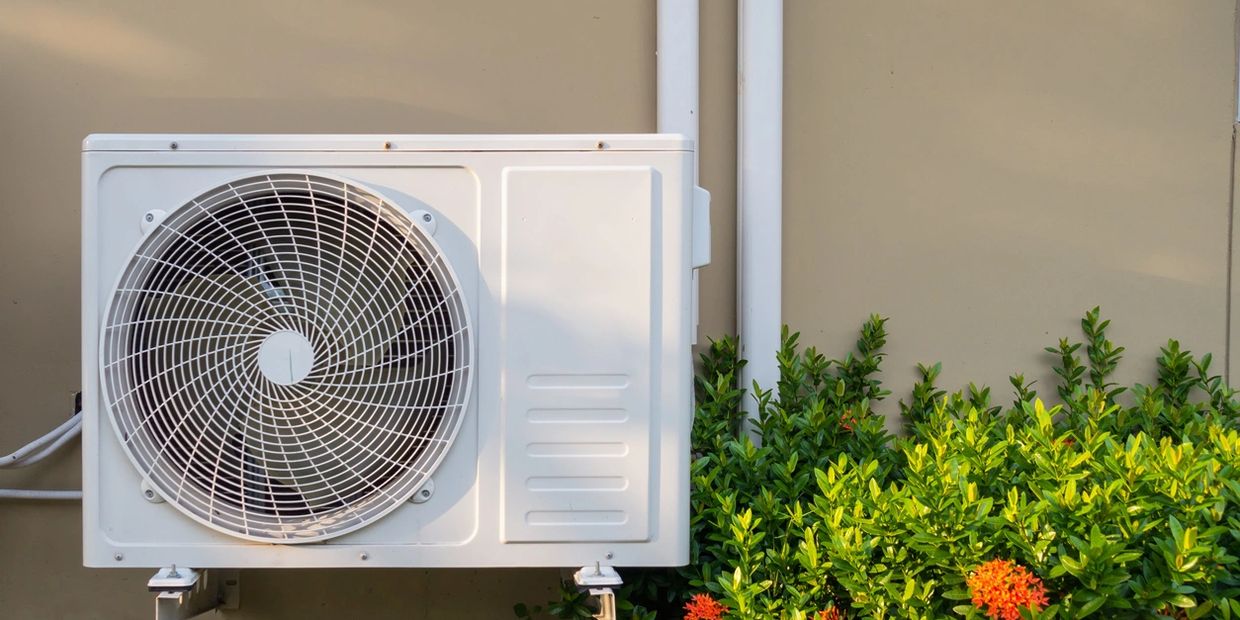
[1125, 501]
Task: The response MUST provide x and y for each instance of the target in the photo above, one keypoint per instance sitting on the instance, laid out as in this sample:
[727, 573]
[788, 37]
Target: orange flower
[1001, 588]
[830, 613]
[848, 420]
[703, 607]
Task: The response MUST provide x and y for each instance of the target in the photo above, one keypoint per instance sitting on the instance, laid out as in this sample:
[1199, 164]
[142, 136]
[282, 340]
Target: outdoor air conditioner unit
[329, 351]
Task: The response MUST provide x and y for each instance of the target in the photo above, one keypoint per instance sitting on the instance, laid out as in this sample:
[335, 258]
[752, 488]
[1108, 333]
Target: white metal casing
[575, 254]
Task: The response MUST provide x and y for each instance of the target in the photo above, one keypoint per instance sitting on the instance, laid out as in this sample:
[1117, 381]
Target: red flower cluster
[703, 607]
[849, 419]
[1001, 588]
[830, 613]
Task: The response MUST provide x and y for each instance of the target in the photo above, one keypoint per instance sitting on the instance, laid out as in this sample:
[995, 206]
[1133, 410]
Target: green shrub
[1119, 501]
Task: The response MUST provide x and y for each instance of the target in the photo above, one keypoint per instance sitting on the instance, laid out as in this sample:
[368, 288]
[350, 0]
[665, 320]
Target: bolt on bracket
[182, 593]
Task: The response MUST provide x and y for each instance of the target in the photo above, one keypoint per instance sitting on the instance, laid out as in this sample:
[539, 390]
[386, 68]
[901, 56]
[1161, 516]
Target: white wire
[51, 448]
[38, 450]
[40, 447]
[40, 494]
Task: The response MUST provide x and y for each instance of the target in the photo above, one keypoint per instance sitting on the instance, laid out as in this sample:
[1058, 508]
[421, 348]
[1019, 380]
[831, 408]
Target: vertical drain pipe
[759, 180]
[677, 51]
[678, 69]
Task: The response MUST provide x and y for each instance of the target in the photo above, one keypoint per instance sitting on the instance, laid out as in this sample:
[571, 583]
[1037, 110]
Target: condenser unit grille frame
[296, 267]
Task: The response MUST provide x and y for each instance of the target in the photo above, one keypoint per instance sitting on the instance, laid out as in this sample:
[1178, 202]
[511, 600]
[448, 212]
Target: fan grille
[286, 358]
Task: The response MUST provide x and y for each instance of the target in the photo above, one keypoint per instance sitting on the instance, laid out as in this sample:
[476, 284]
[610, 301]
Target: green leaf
[1072, 566]
[1182, 601]
[1177, 530]
[1092, 605]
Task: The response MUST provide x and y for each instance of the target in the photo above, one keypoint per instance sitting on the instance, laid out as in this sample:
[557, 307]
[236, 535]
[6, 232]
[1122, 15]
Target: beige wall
[980, 171]
[984, 172]
[717, 146]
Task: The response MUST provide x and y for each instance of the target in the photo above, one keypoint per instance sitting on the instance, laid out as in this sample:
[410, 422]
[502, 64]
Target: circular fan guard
[296, 268]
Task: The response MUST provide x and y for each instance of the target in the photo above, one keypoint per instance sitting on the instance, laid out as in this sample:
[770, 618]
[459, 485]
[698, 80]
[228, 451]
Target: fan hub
[285, 357]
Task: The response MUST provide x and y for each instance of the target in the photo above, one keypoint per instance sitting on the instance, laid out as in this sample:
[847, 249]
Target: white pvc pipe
[677, 80]
[51, 448]
[22, 453]
[678, 69]
[39, 494]
[759, 179]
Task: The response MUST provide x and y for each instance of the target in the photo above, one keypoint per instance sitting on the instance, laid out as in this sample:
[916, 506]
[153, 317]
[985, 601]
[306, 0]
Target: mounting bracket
[599, 582]
[182, 593]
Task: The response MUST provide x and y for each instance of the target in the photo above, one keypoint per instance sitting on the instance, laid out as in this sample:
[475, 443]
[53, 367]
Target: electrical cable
[49, 449]
[40, 494]
[38, 450]
[19, 455]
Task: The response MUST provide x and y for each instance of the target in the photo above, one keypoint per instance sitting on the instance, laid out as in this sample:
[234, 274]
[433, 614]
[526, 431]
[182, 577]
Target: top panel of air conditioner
[355, 142]
[318, 351]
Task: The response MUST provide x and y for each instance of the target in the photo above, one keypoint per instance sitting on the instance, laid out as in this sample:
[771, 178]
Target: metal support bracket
[183, 593]
[600, 582]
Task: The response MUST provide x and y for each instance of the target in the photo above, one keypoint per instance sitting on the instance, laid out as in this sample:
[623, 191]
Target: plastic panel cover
[580, 266]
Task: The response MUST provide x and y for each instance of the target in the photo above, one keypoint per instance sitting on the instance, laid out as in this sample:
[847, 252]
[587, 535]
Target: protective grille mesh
[355, 296]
